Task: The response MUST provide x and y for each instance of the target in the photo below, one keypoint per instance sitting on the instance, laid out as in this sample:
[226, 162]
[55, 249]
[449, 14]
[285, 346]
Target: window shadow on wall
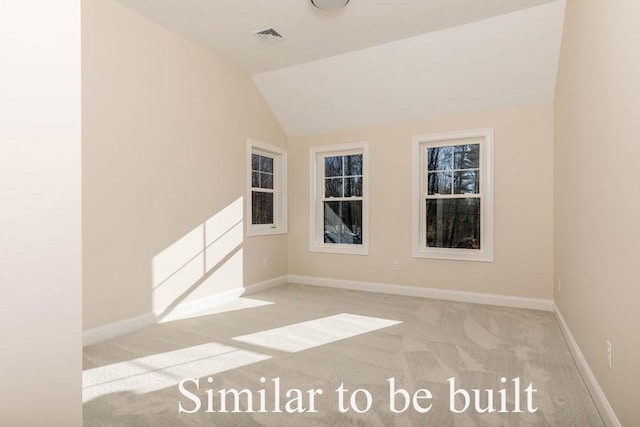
[206, 261]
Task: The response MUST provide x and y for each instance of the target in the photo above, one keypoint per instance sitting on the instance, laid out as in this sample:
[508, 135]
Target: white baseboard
[267, 284]
[193, 308]
[606, 411]
[101, 333]
[121, 327]
[414, 291]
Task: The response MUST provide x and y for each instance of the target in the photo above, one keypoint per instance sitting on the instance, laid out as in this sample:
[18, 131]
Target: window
[453, 196]
[339, 199]
[266, 194]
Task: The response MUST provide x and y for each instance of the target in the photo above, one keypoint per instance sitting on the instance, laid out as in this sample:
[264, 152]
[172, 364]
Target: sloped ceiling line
[506, 61]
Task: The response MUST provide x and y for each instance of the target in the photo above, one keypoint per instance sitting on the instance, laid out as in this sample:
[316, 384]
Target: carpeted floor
[310, 338]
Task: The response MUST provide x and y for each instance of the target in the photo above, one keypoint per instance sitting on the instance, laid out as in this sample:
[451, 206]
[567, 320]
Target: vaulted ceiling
[378, 61]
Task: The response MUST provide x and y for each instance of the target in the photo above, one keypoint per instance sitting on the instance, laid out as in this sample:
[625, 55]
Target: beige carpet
[318, 338]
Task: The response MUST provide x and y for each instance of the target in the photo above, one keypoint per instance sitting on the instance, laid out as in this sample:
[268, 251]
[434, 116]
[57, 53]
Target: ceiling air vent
[268, 35]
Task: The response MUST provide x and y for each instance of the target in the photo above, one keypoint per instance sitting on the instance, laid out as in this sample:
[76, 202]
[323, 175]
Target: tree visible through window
[453, 199]
[343, 199]
[453, 190]
[266, 205]
[262, 189]
[339, 215]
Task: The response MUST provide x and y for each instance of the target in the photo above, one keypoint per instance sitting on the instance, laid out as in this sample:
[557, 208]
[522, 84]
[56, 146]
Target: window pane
[255, 179]
[266, 164]
[255, 162]
[466, 156]
[466, 182]
[353, 187]
[333, 166]
[262, 205]
[266, 180]
[333, 187]
[439, 182]
[439, 158]
[453, 223]
[343, 222]
[353, 165]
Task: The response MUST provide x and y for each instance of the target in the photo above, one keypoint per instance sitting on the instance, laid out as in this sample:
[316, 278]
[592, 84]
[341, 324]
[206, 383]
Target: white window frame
[420, 250]
[316, 194]
[279, 156]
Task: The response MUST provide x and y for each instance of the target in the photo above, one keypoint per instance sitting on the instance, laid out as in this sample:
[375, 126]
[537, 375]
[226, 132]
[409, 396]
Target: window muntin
[266, 189]
[453, 207]
[453, 169]
[453, 199]
[339, 205]
[342, 200]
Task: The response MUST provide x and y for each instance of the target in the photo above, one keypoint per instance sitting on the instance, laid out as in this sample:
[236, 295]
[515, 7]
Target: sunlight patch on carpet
[314, 333]
[162, 370]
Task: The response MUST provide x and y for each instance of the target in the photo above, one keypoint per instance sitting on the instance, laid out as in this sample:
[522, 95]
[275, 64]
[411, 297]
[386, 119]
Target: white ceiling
[378, 60]
[225, 26]
[506, 61]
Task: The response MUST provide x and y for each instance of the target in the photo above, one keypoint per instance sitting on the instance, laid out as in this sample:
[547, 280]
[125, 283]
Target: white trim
[606, 411]
[121, 327]
[419, 250]
[433, 293]
[193, 308]
[279, 155]
[132, 324]
[316, 243]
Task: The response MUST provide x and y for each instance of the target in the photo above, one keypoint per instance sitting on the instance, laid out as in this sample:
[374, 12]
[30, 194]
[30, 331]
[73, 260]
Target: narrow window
[266, 195]
[339, 202]
[262, 188]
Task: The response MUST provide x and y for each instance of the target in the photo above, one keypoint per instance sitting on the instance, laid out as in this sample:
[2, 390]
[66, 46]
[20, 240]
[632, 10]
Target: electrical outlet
[559, 285]
[609, 354]
[396, 266]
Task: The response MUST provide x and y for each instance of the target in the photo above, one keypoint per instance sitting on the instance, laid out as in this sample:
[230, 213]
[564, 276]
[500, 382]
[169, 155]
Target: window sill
[454, 255]
[266, 231]
[341, 249]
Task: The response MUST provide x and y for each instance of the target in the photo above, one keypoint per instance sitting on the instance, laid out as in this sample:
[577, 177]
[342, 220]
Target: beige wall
[164, 140]
[40, 219]
[523, 208]
[597, 153]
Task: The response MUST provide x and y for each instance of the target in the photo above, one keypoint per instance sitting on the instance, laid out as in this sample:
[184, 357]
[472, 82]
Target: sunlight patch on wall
[314, 333]
[223, 233]
[158, 371]
[212, 251]
[225, 276]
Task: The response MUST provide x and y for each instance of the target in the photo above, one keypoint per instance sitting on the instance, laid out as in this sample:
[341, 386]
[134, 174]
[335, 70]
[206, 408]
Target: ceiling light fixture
[329, 4]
